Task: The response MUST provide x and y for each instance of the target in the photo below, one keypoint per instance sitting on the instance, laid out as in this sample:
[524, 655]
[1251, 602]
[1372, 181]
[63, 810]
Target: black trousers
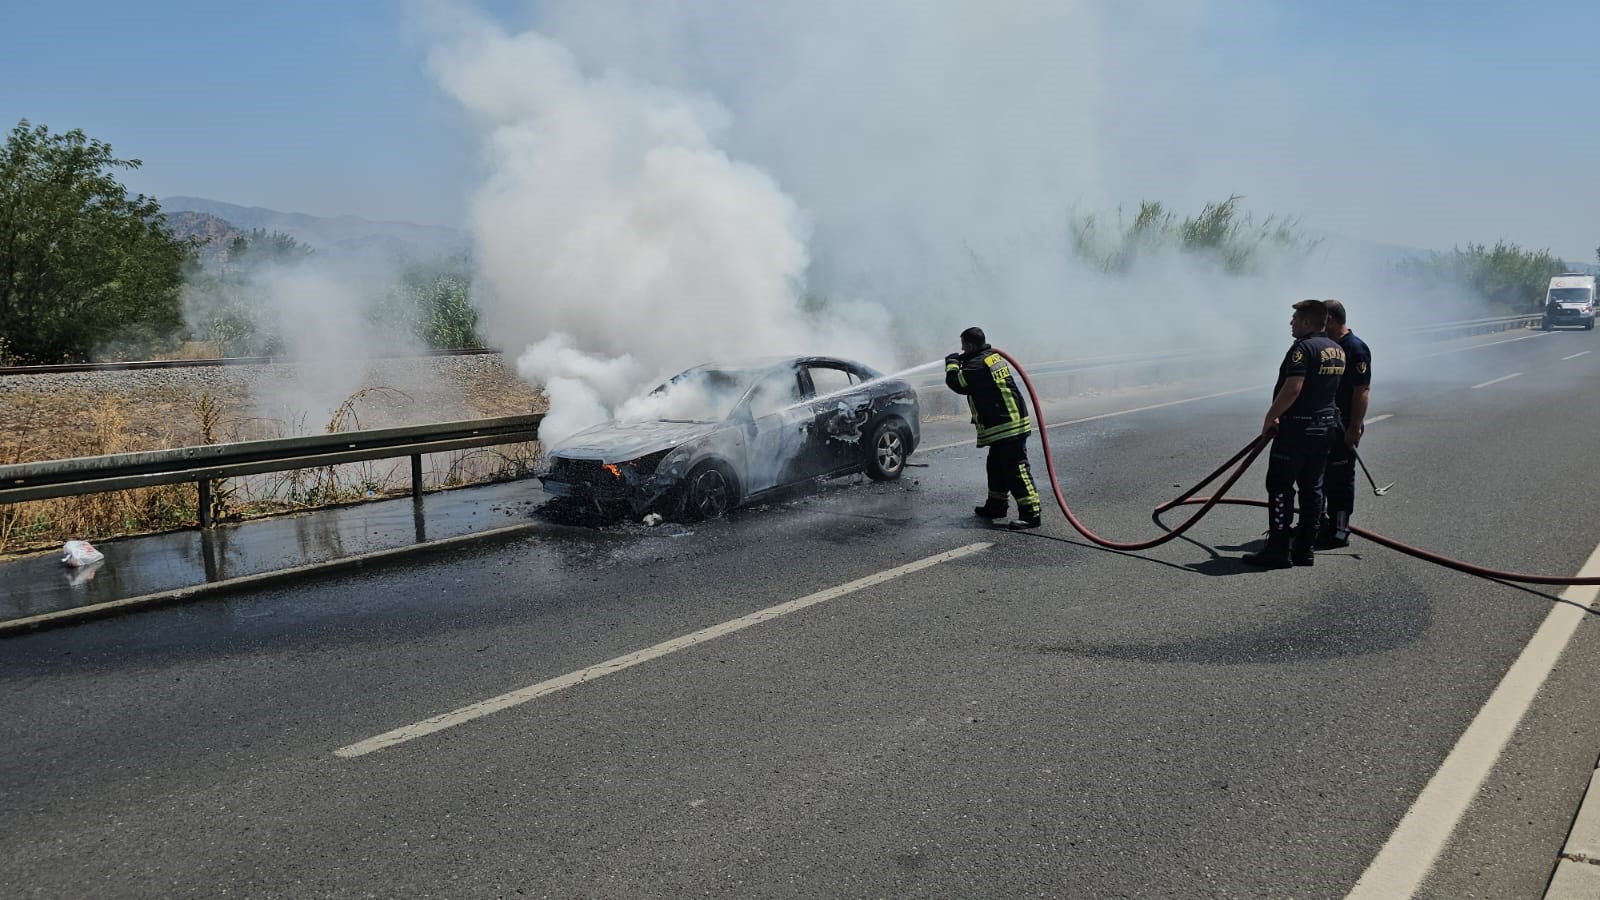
[1299, 455]
[1339, 477]
[1008, 473]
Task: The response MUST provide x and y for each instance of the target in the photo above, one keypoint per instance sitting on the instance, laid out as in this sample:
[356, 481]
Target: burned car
[715, 437]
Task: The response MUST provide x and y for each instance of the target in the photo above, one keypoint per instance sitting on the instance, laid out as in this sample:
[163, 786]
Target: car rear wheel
[710, 492]
[888, 446]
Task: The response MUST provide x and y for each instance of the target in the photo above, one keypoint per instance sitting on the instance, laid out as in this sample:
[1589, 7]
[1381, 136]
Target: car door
[840, 408]
[777, 424]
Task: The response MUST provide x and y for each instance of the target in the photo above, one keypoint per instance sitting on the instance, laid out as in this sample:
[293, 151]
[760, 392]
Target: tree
[81, 263]
[1506, 276]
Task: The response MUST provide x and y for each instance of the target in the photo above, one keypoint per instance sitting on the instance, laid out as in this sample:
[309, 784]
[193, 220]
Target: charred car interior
[715, 437]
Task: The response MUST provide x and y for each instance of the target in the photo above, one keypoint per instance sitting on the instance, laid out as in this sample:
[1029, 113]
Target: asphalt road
[1035, 718]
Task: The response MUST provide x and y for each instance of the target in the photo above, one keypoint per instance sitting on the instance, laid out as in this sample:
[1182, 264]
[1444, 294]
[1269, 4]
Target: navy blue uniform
[1340, 475]
[1305, 430]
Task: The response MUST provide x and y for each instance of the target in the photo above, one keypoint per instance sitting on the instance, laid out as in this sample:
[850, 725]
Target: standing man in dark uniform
[1001, 416]
[1301, 422]
[1354, 388]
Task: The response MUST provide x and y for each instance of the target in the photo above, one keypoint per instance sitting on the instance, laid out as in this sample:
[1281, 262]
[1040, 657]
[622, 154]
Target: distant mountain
[215, 234]
[352, 234]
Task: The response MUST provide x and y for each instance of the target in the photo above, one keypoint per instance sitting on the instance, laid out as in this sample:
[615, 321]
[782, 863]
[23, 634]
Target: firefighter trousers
[1008, 474]
[1339, 478]
[1299, 455]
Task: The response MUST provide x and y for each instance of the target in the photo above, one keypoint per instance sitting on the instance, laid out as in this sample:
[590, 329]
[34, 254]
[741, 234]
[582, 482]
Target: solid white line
[1576, 355]
[1410, 853]
[1111, 415]
[523, 695]
[1496, 380]
[1488, 345]
[1129, 412]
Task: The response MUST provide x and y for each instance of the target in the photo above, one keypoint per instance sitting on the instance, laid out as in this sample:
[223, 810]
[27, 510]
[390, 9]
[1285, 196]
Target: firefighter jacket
[998, 408]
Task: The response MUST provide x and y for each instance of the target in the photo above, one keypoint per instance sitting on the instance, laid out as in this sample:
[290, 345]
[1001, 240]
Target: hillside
[345, 234]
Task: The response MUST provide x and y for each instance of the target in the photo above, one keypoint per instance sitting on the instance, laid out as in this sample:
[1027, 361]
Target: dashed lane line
[1412, 850]
[1496, 380]
[1576, 355]
[532, 692]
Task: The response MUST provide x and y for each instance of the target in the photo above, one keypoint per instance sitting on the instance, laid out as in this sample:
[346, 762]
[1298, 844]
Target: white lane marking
[1576, 355]
[1410, 853]
[1496, 380]
[1526, 337]
[1111, 415]
[523, 695]
[1376, 419]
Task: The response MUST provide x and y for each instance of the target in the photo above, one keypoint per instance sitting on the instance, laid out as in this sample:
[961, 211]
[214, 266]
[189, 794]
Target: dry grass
[97, 427]
[37, 426]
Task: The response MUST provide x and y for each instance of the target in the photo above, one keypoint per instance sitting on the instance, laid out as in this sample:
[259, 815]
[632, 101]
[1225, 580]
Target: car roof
[778, 362]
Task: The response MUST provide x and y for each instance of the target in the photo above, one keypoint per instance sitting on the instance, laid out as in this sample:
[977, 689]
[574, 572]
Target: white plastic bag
[80, 553]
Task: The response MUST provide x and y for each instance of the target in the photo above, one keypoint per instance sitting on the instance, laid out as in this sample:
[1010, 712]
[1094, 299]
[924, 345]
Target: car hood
[616, 442]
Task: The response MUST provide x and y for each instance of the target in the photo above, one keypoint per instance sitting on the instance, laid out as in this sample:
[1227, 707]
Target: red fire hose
[1245, 457]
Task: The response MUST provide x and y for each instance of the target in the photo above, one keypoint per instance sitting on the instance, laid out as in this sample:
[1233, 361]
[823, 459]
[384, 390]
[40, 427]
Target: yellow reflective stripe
[1032, 499]
[1011, 400]
[1004, 430]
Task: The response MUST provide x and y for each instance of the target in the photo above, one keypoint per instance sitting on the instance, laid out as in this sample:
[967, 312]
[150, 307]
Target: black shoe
[1275, 555]
[1300, 552]
[1025, 520]
[991, 510]
[1334, 533]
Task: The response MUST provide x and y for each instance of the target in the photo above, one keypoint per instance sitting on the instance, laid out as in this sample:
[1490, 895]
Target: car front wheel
[888, 446]
[710, 492]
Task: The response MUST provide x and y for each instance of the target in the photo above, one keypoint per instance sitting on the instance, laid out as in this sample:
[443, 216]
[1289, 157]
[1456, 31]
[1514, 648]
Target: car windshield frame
[740, 381]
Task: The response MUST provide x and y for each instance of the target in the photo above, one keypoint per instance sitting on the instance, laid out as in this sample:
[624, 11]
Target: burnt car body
[743, 432]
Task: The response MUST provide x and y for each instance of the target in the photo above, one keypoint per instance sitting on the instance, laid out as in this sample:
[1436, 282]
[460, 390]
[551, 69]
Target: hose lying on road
[1245, 457]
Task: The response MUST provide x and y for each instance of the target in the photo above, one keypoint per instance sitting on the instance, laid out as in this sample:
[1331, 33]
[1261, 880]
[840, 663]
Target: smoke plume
[668, 183]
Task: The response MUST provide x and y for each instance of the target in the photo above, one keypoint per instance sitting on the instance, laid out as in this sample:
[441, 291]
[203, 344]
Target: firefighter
[1001, 416]
[1339, 476]
[1301, 422]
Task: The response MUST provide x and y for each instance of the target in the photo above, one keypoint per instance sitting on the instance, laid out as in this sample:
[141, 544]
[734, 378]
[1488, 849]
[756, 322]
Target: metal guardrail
[1479, 326]
[203, 464]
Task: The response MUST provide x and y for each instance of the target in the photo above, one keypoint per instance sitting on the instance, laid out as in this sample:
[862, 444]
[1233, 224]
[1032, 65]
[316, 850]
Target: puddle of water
[148, 564]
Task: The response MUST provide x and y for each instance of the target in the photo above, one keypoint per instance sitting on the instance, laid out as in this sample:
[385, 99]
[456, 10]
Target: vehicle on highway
[1570, 301]
[718, 436]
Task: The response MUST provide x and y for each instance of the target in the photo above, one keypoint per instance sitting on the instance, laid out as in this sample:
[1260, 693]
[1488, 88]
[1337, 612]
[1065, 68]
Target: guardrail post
[416, 475]
[205, 502]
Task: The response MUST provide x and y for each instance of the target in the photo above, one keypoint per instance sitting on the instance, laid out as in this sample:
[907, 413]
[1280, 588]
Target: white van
[1570, 301]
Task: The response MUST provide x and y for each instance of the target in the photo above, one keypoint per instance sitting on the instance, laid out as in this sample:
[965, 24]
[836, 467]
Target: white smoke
[669, 183]
[613, 235]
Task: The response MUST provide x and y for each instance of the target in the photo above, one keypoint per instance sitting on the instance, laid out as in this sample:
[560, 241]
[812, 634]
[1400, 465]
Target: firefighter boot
[1275, 555]
[992, 509]
[1335, 532]
[1026, 518]
[1300, 551]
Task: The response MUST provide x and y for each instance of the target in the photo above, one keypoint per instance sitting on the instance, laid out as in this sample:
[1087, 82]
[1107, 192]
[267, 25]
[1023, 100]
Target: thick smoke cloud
[672, 182]
[613, 233]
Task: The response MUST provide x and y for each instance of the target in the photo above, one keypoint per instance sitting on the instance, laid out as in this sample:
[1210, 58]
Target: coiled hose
[1244, 458]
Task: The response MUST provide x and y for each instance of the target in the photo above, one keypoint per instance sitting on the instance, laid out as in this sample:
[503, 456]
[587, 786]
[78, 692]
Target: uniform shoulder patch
[1297, 356]
[1362, 368]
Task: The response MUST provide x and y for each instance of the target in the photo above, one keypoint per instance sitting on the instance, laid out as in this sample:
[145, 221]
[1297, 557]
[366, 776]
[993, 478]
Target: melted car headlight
[672, 465]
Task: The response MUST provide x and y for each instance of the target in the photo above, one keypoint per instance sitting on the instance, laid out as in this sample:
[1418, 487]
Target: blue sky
[1464, 120]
